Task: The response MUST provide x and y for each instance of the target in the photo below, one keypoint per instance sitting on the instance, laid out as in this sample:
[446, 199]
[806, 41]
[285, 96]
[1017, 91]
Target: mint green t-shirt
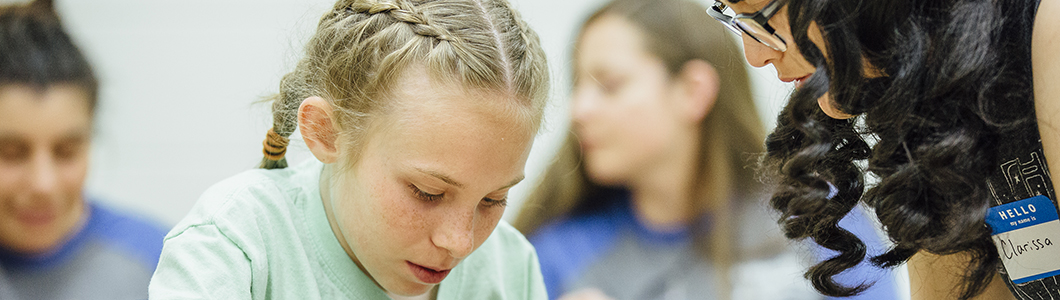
[263, 234]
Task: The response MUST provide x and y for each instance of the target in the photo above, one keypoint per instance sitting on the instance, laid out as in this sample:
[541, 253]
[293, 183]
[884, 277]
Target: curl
[931, 113]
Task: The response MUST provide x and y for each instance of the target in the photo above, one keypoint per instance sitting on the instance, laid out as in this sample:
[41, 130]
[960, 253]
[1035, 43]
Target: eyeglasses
[755, 25]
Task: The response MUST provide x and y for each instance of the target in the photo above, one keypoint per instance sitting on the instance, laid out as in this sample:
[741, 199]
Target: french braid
[361, 45]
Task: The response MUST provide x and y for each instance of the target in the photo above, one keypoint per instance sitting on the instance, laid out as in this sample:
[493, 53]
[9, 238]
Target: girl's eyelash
[435, 197]
[424, 195]
[495, 202]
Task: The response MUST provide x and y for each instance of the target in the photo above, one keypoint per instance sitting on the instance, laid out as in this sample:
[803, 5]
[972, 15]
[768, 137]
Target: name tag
[1025, 233]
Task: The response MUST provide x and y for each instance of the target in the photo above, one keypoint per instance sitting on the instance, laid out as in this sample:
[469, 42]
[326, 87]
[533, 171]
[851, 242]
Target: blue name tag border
[1045, 212]
[1035, 277]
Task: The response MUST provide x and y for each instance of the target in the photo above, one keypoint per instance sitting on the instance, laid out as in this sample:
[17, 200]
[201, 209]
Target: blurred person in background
[652, 195]
[53, 243]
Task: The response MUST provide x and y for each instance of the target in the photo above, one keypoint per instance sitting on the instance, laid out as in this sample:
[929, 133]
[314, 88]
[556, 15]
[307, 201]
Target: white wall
[180, 79]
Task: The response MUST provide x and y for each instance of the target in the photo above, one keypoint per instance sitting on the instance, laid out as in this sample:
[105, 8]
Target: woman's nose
[758, 54]
[44, 175]
[584, 103]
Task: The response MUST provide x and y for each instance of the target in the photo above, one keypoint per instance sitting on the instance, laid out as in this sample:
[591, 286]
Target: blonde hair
[730, 136]
[362, 46]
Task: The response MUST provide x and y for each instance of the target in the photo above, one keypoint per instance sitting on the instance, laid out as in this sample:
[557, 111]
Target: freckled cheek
[359, 214]
[486, 223]
[403, 218]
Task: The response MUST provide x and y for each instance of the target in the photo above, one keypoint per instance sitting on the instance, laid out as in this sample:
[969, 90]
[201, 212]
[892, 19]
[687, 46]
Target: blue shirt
[111, 257]
[611, 250]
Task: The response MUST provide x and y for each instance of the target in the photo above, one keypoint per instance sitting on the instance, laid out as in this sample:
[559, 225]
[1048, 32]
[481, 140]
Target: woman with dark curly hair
[944, 101]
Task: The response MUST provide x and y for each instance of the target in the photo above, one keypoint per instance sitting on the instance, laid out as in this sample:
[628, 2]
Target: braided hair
[361, 46]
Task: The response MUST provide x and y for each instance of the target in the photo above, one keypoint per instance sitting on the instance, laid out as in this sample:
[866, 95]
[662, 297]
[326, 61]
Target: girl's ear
[699, 86]
[314, 122]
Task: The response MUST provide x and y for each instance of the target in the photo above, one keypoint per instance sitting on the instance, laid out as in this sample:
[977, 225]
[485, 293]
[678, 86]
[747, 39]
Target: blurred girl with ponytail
[420, 115]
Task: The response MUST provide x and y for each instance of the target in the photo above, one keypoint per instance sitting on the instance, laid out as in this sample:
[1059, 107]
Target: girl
[420, 115]
[651, 197]
[945, 92]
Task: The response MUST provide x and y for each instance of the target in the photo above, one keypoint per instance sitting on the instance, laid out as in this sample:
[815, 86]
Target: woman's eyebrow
[77, 134]
[7, 137]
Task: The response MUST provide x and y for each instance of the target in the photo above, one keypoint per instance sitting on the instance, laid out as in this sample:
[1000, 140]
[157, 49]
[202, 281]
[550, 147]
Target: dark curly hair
[955, 80]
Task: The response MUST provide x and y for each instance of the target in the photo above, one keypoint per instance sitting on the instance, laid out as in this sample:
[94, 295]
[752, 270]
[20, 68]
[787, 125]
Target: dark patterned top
[1021, 171]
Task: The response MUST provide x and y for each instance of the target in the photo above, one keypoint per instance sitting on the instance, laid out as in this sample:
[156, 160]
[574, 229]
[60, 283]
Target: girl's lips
[428, 275]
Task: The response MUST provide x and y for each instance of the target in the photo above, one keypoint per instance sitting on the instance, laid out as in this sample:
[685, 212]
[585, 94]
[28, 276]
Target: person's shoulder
[776, 277]
[247, 186]
[119, 225]
[116, 223]
[577, 233]
[505, 250]
[133, 234]
[769, 265]
[505, 266]
[1046, 32]
[507, 239]
[758, 233]
[567, 246]
[233, 193]
[248, 197]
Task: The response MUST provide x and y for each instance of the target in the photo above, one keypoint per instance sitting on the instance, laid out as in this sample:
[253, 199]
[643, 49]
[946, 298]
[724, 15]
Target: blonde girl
[420, 115]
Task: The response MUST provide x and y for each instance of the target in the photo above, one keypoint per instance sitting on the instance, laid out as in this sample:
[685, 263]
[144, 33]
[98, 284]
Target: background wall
[182, 82]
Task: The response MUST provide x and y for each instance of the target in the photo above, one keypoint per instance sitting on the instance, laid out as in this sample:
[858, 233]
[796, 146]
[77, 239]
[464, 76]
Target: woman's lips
[36, 218]
[799, 81]
[428, 275]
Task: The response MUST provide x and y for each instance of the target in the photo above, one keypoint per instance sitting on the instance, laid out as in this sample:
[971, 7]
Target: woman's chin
[829, 107]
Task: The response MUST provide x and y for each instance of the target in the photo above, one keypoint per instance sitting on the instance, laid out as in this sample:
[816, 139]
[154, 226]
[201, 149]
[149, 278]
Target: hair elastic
[275, 145]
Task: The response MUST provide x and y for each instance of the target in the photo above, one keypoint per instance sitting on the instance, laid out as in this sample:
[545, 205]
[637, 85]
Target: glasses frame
[760, 17]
